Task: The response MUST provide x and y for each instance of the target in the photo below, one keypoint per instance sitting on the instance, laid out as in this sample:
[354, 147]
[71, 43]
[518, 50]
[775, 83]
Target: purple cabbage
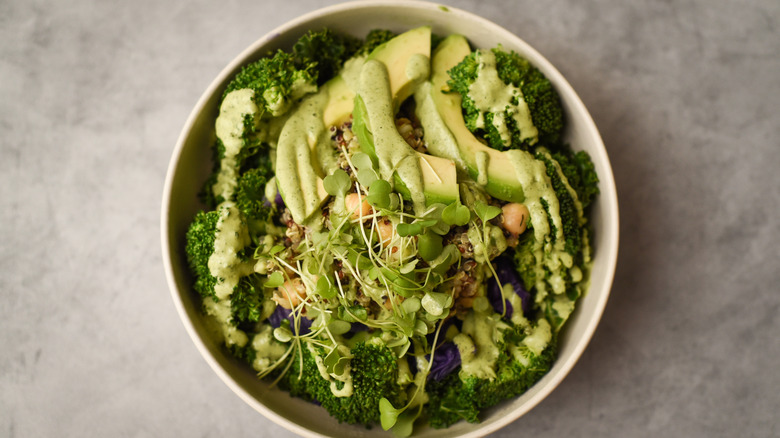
[280, 314]
[507, 274]
[277, 200]
[445, 361]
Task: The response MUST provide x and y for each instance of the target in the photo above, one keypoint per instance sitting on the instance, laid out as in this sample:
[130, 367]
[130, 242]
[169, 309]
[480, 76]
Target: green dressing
[537, 187]
[394, 154]
[438, 138]
[221, 312]
[477, 344]
[491, 95]
[230, 130]
[298, 182]
[232, 236]
[340, 385]
[267, 349]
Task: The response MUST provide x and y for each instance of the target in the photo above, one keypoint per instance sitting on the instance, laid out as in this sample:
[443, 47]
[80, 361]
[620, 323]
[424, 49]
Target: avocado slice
[407, 58]
[304, 155]
[494, 170]
[388, 77]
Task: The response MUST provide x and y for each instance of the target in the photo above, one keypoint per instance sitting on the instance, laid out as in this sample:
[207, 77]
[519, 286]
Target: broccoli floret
[458, 398]
[581, 174]
[537, 91]
[206, 194]
[277, 82]
[250, 195]
[247, 297]
[374, 375]
[324, 52]
[199, 247]
[246, 302]
[568, 210]
[246, 353]
[376, 38]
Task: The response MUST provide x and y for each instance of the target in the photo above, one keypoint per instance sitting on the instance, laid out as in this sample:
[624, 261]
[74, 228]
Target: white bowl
[191, 164]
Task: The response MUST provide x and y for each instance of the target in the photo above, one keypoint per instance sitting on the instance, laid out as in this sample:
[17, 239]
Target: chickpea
[290, 294]
[359, 209]
[386, 231]
[388, 303]
[514, 218]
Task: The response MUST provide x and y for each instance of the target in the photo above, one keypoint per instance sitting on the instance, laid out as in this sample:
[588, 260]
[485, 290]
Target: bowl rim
[606, 186]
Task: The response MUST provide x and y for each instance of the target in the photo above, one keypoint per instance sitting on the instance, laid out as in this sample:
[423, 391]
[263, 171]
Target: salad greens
[393, 232]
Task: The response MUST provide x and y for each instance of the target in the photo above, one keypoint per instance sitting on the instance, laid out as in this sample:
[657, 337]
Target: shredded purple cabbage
[357, 327]
[445, 360]
[507, 274]
[280, 313]
[277, 200]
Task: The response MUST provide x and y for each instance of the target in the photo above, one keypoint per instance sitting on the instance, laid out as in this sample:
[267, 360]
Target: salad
[394, 228]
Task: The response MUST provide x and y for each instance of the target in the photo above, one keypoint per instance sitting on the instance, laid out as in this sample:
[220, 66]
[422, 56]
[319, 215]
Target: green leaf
[420, 328]
[379, 193]
[276, 249]
[486, 212]
[338, 183]
[275, 280]
[399, 282]
[435, 302]
[405, 230]
[324, 288]
[409, 267]
[387, 413]
[429, 246]
[366, 177]
[373, 273]
[411, 305]
[404, 424]
[339, 327]
[456, 214]
[346, 314]
[362, 161]
[282, 334]
[334, 362]
[449, 255]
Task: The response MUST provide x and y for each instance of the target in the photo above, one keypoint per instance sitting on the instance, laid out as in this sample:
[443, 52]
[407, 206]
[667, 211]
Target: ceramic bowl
[191, 163]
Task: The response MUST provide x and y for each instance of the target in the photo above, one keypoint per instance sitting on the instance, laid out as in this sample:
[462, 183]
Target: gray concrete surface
[93, 95]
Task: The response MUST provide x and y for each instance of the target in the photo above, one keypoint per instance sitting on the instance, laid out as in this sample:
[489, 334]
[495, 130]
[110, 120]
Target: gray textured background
[93, 95]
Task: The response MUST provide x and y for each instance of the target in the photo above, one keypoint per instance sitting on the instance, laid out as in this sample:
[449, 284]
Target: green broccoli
[250, 195]
[277, 82]
[199, 247]
[581, 174]
[374, 375]
[246, 297]
[323, 53]
[568, 210]
[456, 398]
[376, 38]
[543, 101]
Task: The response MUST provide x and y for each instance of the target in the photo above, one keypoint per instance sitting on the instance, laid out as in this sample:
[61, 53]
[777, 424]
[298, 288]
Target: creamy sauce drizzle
[477, 344]
[537, 187]
[267, 349]
[221, 312]
[490, 94]
[298, 181]
[345, 378]
[394, 154]
[230, 129]
[232, 236]
[438, 138]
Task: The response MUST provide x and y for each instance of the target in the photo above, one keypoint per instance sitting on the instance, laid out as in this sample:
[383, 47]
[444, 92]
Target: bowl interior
[190, 165]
